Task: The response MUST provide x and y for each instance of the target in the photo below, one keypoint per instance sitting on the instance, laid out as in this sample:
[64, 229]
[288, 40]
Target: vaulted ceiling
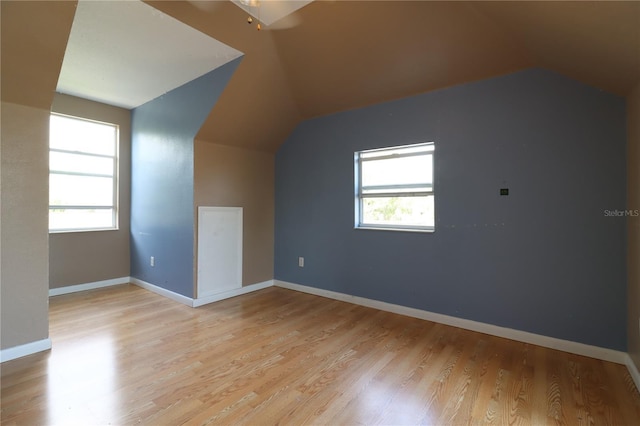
[340, 55]
[346, 54]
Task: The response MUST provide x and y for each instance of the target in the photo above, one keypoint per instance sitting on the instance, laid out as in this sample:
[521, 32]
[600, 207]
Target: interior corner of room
[257, 144]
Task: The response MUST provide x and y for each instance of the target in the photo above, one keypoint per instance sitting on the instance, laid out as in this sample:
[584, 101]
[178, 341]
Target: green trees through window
[394, 188]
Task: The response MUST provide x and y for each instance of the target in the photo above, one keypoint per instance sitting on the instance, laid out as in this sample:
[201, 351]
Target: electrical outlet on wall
[301, 262]
[152, 261]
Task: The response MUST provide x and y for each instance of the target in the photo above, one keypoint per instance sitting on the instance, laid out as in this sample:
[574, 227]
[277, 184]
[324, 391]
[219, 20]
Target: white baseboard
[162, 291]
[633, 370]
[231, 293]
[24, 350]
[522, 336]
[88, 286]
[194, 303]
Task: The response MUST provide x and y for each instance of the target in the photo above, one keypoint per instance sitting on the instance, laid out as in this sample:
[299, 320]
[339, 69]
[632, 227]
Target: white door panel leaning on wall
[219, 250]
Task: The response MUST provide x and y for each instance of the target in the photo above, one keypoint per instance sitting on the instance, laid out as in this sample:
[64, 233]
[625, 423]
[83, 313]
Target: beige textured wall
[633, 224]
[84, 257]
[24, 274]
[236, 177]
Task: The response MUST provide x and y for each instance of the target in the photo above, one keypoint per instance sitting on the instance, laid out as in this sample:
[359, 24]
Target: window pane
[412, 211]
[398, 171]
[71, 190]
[78, 163]
[62, 219]
[81, 135]
[398, 150]
[399, 191]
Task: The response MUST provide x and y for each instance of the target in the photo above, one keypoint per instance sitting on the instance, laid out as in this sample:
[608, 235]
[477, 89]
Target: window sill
[376, 228]
[74, 231]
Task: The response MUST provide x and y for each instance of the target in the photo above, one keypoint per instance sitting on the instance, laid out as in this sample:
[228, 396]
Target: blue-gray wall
[545, 259]
[162, 212]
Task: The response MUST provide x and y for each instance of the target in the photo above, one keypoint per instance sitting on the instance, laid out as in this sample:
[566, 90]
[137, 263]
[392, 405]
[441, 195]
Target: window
[394, 188]
[83, 164]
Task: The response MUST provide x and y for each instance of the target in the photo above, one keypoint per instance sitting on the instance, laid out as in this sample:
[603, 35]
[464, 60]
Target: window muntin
[80, 163]
[83, 174]
[394, 188]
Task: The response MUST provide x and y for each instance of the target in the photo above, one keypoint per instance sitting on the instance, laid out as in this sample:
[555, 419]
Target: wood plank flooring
[125, 356]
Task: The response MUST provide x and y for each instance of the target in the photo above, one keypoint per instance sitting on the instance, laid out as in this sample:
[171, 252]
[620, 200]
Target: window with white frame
[83, 174]
[394, 188]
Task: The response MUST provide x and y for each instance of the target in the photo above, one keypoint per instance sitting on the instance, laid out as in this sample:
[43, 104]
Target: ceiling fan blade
[286, 22]
[206, 5]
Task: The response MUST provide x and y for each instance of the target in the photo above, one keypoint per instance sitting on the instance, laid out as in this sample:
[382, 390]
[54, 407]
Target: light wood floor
[125, 356]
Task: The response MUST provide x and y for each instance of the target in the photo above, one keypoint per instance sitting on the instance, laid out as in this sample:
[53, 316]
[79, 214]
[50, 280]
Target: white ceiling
[126, 53]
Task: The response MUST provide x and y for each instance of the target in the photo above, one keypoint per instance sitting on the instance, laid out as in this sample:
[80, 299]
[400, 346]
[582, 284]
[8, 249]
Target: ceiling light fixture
[256, 4]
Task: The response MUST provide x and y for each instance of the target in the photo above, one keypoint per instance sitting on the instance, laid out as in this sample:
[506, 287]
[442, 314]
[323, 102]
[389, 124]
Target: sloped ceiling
[127, 53]
[348, 54]
[34, 37]
[345, 54]
[595, 42]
